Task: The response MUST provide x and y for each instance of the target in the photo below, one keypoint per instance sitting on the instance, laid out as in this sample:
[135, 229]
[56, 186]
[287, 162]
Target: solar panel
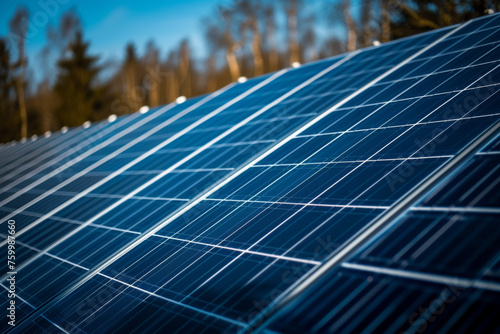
[435, 268]
[60, 149]
[261, 199]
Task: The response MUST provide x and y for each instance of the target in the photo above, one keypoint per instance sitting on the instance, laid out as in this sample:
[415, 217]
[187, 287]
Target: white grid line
[87, 140]
[426, 277]
[131, 246]
[115, 153]
[99, 274]
[165, 172]
[79, 158]
[456, 209]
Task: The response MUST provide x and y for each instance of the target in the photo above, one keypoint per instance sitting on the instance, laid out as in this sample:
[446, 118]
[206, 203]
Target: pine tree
[76, 85]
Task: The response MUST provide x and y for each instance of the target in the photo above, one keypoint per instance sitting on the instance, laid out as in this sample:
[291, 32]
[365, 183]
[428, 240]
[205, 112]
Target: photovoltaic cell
[85, 205]
[435, 268]
[345, 82]
[227, 211]
[62, 150]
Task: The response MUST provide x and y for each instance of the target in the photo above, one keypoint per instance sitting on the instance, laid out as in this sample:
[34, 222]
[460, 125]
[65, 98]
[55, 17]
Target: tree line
[244, 38]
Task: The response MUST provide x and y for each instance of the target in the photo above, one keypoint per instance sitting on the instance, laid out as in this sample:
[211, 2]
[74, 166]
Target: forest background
[243, 38]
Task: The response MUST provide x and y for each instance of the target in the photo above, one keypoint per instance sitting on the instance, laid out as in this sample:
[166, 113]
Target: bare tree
[385, 21]
[292, 8]
[366, 31]
[130, 71]
[352, 34]
[18, 28]
[46, 104]
[210, 74]
[273, 56]
[152, 78]
[308, 38]
[231, 48]
[185, 69]
[58, 39]
[224, 34]
[250, 11]
[172, 82]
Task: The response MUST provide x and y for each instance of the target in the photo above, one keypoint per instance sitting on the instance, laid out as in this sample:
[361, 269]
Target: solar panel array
[351, 193]
[436, 268]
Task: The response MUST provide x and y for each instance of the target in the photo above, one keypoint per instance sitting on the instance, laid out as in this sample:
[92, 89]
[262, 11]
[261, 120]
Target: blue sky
[110, 24]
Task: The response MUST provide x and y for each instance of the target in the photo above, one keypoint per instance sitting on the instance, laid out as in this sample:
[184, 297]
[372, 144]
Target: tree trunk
[350, 25]
[130, 84]
[385, 25]
[271, 40]
[211, 82]
[256, 44]
[45, 99]
[185, 70]
[19, 26]
[153, 94]
[22, 106]
[172, 87]
[292, 31]
[232, 63]
[366, 20]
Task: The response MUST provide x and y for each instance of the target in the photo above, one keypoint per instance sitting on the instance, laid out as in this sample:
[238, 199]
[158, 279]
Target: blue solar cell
[448, 239]
[349, 82]
[354, 301]
[64, 149]
[77, 209]
[427, 241]
[219, 214]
